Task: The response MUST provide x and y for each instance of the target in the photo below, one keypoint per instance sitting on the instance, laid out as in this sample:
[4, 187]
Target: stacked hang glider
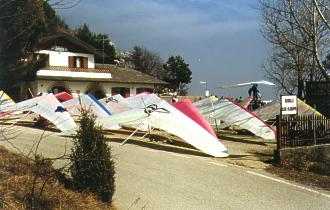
[48, 107]
[269, 111]
[87, 102]
[159, 114]
[186, 107]
[233, 113]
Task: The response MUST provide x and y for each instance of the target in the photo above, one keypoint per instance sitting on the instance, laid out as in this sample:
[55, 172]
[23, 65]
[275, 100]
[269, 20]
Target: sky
[219, 39]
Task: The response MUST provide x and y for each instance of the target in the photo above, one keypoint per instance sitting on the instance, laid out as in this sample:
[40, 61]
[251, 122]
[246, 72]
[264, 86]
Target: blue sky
[220, 39]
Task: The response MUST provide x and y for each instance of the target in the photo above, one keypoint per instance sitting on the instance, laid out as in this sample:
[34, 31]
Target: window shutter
[85, 62]
[71, 62]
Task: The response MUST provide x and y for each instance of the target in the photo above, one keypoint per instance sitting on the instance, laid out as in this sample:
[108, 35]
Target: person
[174, 99]
[253, 91]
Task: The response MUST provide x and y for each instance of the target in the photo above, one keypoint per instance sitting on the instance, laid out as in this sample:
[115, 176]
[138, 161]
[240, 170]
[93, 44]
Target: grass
[16, 181]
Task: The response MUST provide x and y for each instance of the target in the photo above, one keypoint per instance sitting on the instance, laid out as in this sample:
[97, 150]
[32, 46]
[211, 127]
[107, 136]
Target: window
[78, 62]
[125, 92]
[141, 90]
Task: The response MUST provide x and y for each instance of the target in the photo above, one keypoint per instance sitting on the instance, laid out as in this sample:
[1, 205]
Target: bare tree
[299, 39]
[146, 61]
[323, 10]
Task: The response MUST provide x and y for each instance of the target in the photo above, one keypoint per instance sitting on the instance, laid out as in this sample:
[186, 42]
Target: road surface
[151, 178]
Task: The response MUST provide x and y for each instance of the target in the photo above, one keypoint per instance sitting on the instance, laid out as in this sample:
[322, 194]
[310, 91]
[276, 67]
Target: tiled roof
[74, 40]
[119, 75]
[128, 75]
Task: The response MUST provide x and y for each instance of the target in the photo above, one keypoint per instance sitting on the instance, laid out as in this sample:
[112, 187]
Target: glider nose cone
[223, 153]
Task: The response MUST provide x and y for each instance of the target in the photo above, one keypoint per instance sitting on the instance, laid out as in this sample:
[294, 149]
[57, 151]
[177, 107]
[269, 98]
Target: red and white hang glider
[263, 82]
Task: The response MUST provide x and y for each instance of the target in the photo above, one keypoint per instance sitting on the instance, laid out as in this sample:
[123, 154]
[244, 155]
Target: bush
[92, 166]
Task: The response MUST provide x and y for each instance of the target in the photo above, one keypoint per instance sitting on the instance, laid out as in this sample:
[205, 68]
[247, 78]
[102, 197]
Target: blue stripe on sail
[98, 103]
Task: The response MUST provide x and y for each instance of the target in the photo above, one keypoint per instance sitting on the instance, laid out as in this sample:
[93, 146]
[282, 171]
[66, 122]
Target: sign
[207, 93]
[289, 105]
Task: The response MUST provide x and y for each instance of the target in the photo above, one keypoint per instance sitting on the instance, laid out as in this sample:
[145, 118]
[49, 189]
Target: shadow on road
[158, 146]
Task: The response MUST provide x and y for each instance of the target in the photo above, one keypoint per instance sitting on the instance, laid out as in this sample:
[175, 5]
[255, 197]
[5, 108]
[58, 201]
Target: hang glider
[5, 100]
[164, 116]
[63, 96]
[245, 103]
[48, 107]
[270, 110]
[186, 107]
[87, 101]
[233, 113]
[115, 104]
[142, 100]
[263, 82]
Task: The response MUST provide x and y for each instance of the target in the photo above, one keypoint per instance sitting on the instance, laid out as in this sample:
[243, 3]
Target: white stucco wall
[43, 86]
[62, 58]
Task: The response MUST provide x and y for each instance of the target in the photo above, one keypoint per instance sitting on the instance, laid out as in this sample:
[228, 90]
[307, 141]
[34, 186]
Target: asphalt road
[152, 178]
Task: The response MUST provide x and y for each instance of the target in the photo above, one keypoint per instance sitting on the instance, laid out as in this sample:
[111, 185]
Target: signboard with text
[289, 105]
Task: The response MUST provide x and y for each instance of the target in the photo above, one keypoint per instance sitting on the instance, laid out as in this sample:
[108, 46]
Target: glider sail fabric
[186, 107]
[115, 104]
[270, 110]
[63, 96]
[48, 107]
[234, 114]
[142, 100]
[5, 100]
[263, 82]
[86, 102]
[166, 117]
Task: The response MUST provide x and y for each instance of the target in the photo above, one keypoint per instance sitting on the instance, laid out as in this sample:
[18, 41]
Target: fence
[296, 131]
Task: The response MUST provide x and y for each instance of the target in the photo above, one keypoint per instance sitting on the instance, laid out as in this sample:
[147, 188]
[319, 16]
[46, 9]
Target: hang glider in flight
[163, 116]
[263, 82]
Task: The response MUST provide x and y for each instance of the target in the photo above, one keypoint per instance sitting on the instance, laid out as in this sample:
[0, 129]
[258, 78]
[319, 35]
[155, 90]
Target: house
[69, 65]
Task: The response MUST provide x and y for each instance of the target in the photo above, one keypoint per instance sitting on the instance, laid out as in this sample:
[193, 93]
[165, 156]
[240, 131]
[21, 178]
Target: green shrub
[92, 166]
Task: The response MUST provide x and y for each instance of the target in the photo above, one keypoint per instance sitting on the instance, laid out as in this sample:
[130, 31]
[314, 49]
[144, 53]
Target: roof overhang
[72, 74]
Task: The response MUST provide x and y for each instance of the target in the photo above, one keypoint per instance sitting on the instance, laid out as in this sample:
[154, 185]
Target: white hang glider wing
[115, 104]
[87, 101]
[164, 116]
[48, 107]
[263, 82]
[233, 113]
[142, 100]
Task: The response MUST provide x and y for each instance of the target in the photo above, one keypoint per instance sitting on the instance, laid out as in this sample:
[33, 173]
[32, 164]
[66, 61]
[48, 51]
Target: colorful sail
[233, 113]
[186, 107]
[270, 110]
[87, 101]
[164, 116]
[63, 96]
[49, 108]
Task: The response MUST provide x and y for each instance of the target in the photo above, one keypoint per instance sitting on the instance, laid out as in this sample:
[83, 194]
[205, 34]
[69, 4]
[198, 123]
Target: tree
[178, 73]
[92, 166]
[99, 41]
[323, 10]
[299, 39]
[22, 23]
[146, 61]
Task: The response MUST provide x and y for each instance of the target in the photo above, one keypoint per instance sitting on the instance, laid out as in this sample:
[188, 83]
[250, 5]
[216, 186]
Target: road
[152, 178]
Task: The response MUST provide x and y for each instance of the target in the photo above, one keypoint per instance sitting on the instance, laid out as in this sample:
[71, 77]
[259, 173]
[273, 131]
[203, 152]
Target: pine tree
[92, 166]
